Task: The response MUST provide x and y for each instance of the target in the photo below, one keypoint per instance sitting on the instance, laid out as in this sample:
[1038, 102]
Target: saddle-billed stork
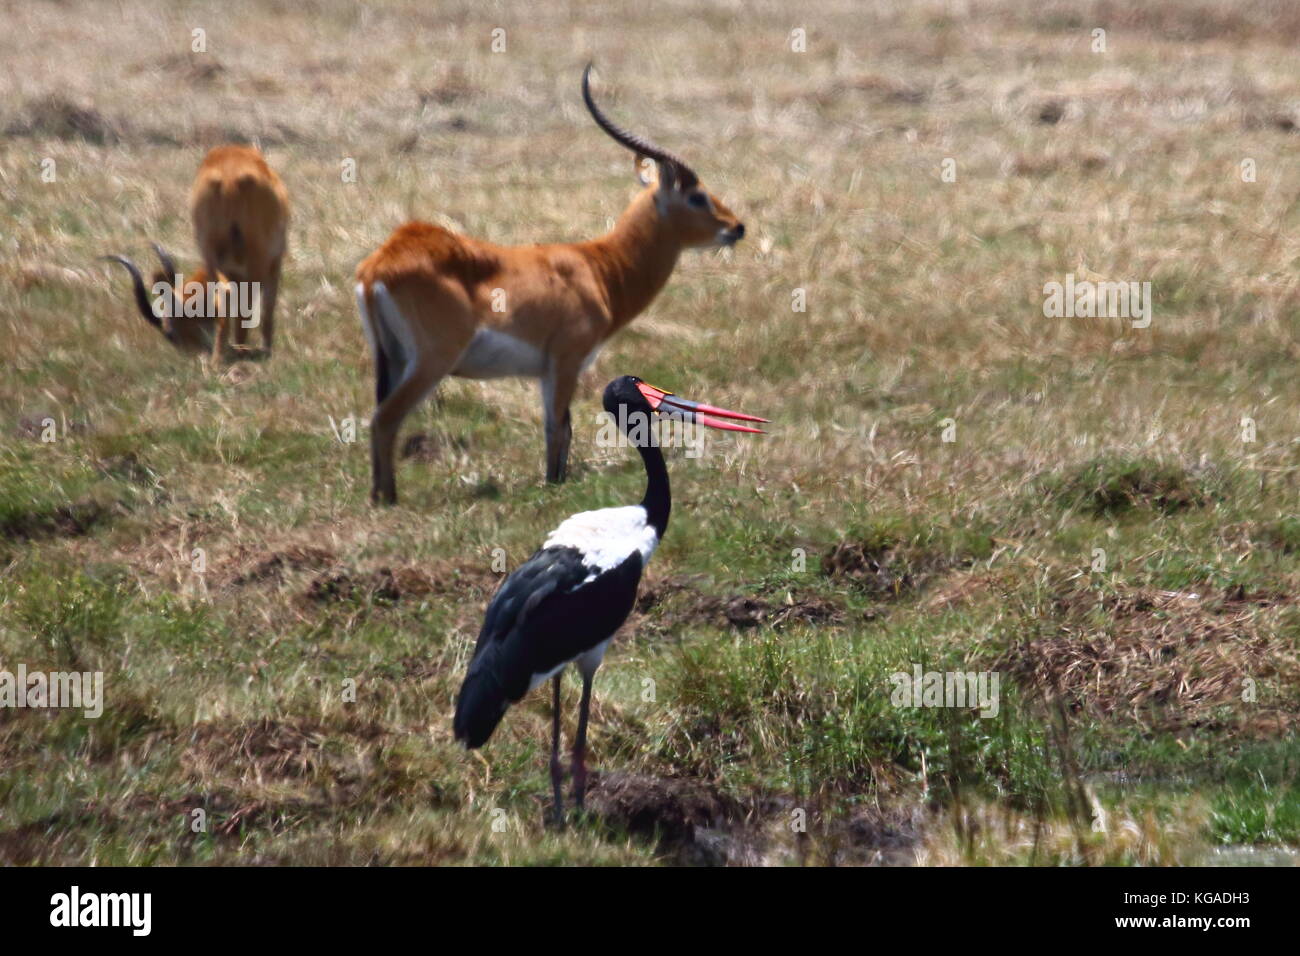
[563, 604]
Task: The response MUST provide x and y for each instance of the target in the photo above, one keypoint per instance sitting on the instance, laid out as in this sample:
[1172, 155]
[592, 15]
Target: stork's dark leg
[580, 744]
[557, 770]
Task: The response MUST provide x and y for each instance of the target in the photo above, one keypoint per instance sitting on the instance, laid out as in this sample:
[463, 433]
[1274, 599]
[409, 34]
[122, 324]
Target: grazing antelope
[240, 211]
[434, 303]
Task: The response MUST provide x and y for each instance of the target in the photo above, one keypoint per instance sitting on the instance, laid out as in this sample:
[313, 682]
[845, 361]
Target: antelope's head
[181, 309]
[697, 216]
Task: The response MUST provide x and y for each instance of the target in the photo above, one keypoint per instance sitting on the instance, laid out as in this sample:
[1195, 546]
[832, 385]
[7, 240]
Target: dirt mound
[452, 87]
[667, 808]
[272, 565]
[678, 600]
[385, 585]
[389, 585]
[877, 568]
[27, 843]
[128, 468]
[1165, 659]
[61, 521]
[873, 836]
[55, 116]
[34, 426]
[696, 823]
[654, 592]
[425, 447]
[1112, 485]
[269, 748]
[885, 570]
[745, 612]
[197, 69]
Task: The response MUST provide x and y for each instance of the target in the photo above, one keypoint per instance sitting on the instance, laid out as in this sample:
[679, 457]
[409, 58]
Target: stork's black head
[624, 391]
[637, 398]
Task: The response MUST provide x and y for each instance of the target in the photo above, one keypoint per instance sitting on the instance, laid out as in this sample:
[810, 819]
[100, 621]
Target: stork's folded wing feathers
[553, 608]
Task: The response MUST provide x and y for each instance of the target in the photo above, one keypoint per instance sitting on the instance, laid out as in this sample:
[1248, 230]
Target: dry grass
[924, 305]
[988, 835]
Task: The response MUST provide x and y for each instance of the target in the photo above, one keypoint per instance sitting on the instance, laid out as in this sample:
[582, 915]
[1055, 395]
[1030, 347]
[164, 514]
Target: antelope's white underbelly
[493, 354]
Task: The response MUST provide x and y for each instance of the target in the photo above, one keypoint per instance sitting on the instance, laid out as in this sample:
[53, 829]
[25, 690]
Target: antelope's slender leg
[437, 331]
[387, 421]
[383, 376]
[238, 292]
[219, 340]
[270, 292]
[557, 394]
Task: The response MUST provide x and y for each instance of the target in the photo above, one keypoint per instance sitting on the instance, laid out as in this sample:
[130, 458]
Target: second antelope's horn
[141, 296]
[685, 176]
[168, 263]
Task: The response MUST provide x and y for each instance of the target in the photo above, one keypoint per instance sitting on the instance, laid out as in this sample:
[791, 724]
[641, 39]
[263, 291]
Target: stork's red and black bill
[666, 403]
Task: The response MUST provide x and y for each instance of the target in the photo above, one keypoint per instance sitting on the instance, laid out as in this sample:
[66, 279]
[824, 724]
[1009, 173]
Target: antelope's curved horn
[141, 296]
[685, 176]
[168, 263]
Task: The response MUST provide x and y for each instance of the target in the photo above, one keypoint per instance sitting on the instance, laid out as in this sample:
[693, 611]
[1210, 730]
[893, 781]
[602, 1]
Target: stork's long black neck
[658, 501]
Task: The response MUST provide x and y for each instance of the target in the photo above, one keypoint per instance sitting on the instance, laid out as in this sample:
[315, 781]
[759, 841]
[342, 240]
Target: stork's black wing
[551, 609]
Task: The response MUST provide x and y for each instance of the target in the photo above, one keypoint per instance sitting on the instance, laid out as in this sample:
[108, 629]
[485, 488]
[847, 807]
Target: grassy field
[1113, 529]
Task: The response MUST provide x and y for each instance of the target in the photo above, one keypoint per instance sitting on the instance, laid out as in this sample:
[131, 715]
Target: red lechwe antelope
[434, 303]
[240, 212]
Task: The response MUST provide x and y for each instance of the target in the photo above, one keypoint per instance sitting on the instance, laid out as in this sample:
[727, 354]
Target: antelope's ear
[645, 168]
